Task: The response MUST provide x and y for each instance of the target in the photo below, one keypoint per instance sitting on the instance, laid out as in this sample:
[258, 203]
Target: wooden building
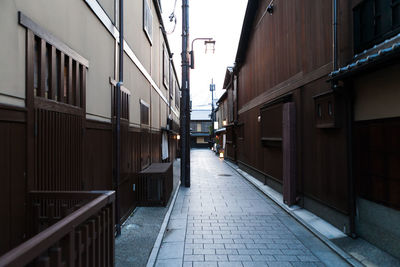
[58, 72]
[323, 136]
[200, 127]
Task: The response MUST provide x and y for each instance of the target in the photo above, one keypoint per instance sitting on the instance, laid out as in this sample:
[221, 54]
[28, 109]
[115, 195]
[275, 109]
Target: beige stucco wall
[139, 87]
[155, 110]
[82, 32]
[12, 56]
[134, 34]
[377, 95]
[75, 24]
[109, 7]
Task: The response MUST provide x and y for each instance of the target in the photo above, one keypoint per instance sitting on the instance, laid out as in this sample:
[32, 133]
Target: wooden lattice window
[271, 125]
[327, 110]
[125, 95]
[375, 21]
[59, 73]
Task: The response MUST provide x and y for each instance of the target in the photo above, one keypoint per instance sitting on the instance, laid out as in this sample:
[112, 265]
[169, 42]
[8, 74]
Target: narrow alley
[222, 220]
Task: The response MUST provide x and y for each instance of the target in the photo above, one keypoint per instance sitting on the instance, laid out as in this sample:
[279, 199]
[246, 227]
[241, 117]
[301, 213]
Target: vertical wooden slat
[70, 253]
[77, 85]
[70, 85]
[61, 78]
[55, 257]
[85, 243]
[107, 236]
[78, 244]
[83, 88]
[112, 225]
[43, 262]
[103, 238]
[53, 74]
[92, 249]
[30, 50]
[42, 76]
[97, 241]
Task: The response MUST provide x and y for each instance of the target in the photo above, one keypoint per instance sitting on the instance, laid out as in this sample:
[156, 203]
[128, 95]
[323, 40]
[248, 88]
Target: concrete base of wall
[336, 218]
[261, 177]
[379, 225]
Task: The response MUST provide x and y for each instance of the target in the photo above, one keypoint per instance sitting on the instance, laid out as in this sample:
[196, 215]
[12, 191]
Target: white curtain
[164, 146]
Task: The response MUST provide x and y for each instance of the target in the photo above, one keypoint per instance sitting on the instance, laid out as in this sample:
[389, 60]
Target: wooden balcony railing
[68, 229]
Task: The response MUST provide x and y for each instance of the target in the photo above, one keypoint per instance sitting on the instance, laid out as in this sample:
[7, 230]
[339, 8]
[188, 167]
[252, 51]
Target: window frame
[148, 21]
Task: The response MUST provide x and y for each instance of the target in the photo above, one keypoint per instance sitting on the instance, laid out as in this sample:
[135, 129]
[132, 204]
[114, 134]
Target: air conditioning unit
[155, 184]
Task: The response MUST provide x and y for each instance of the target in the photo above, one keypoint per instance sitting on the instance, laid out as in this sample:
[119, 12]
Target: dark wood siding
[324, 154]
[12, 178]
[290, 52]
[98, 156]
[377, 157]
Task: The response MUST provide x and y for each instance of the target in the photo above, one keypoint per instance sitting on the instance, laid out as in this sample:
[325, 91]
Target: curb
[344, 255]
[154, 252]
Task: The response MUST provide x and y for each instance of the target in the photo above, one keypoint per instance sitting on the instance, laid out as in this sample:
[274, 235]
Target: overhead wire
[172, 18]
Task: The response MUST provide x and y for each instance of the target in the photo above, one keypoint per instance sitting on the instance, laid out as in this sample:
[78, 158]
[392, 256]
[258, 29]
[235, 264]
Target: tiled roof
[380, 51]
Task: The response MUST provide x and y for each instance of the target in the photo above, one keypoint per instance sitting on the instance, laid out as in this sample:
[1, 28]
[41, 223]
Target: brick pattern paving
[222, 220]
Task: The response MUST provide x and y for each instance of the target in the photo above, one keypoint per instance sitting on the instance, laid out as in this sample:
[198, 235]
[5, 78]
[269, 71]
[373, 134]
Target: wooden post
[289, 153]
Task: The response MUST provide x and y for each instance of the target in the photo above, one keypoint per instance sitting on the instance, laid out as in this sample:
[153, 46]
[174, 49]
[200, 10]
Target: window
[147, 21]
[327, 109]
[144, 112]
[271, 125]
[165, 67]
[375, 21]
[59, 73]
[171, 80]
[125, 95]
[177, 95]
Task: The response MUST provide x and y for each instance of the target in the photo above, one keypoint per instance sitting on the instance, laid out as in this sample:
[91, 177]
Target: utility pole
[185, 110]
[212, 89]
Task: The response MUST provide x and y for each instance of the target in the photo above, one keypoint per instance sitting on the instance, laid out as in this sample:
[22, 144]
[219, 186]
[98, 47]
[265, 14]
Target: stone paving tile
[224, 221]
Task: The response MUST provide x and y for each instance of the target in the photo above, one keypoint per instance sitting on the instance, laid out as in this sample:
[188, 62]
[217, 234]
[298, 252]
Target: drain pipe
[349, 118]
[118, 116]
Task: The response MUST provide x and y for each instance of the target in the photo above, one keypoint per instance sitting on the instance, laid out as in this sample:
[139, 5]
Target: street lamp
[208, 42]
[212, 89]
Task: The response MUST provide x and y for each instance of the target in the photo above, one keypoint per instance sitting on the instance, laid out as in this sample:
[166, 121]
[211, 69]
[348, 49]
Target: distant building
[200, 128]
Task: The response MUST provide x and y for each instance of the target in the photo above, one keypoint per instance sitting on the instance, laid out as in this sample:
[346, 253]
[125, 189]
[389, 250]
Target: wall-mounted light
[224, 123]
[259, 118]
[178, 137]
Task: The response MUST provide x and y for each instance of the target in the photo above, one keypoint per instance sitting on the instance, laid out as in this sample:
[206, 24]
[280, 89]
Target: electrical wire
[172, 18]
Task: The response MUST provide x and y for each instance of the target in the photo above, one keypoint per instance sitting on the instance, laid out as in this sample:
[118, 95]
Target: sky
[219, 19]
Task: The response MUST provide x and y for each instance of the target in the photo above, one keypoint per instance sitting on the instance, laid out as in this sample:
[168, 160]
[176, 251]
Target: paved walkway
[222, 220]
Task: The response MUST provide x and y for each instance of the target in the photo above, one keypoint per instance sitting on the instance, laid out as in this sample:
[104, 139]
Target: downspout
[118, 115]
[349, 120]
